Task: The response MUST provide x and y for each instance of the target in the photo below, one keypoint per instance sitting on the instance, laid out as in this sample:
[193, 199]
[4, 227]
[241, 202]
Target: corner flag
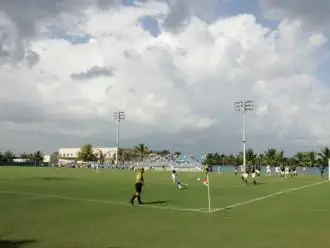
[206, 181]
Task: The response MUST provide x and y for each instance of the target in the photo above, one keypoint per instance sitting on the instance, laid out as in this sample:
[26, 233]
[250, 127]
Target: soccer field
[81, 208]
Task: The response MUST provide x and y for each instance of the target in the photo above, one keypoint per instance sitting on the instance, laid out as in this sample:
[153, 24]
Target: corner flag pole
[208, 191]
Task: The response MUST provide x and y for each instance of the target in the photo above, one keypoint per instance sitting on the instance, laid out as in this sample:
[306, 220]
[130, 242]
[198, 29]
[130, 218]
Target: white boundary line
[267, 196]
[98, 201]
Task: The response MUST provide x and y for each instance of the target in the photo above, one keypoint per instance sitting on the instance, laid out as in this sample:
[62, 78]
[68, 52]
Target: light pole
[243, 107]
[118, 116]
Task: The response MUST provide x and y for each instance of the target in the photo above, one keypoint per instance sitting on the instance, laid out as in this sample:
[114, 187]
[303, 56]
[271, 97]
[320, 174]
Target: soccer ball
[198, 179]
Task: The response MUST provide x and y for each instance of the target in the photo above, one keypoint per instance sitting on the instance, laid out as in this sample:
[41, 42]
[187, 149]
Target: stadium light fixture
[118, 116]
[244, 107]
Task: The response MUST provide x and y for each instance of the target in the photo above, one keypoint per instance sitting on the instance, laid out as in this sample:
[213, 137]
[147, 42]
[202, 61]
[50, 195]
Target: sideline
[266, 197]
[35, 195]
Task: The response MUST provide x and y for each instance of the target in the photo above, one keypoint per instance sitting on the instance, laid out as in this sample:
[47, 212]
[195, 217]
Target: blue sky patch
[150, 24]
[57, 32]
[237, 7]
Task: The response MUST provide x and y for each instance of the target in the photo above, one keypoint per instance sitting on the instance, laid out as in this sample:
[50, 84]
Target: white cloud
[174, 88]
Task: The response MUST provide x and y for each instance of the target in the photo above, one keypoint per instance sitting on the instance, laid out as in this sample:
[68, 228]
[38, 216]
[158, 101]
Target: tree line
[141, 151]
[87, 154]
[272, 157]
[8, 157]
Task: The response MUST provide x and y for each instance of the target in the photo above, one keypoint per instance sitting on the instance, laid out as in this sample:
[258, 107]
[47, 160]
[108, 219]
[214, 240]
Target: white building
[20, 160]
[50, 158]
[72, 153]
[46, 158]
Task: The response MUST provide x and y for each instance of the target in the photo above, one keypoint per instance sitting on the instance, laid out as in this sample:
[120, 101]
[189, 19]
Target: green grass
[44, 207]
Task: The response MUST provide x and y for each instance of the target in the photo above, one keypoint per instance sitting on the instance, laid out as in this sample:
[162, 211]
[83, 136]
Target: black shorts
[138, 187]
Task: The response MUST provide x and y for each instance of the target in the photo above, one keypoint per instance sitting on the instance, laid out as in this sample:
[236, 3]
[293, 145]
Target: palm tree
[8, 156]
[310, 159]
[273, 156]
[100, 156]
[300, 158]
[209, 160]
[259, 160]
[30, 157]
[270, 156]
[121, 155]
[222, 159]
[231, 160]
[279, 156]
[24, 155]
[141, 150]
[38, 157]
[177, 153]
[86, 153]
[128, 156]
[239, 159]
[164, 152]
[250, 156]
[324, 156]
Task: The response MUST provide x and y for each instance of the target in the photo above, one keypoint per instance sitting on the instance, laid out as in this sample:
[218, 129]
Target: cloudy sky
[174, 66]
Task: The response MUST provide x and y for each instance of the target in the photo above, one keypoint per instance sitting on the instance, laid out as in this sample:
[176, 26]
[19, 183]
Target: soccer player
[253, 174]
[245, 176]
[322, 171]
[206, 169]
[277, 171]
[176, 180]
[97, 167]
[268, 170]
[258, 170]
[291, 171]
[282, 171]
[138, 187]
[295, 171]
[286, 171]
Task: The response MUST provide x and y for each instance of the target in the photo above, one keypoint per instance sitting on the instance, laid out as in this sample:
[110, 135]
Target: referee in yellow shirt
[138, 187]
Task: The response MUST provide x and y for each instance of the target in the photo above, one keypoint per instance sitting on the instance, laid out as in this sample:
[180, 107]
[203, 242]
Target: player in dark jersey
[139, 182]
[258, 170]
[282, 170]
[291, 171]
[294, 168]
[253, 174]
[322, 171]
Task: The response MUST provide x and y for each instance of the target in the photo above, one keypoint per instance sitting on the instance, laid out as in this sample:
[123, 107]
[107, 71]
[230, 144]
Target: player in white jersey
[287, 171]
[277, 171]
[175, 180]
[268, 170]
[245, 175]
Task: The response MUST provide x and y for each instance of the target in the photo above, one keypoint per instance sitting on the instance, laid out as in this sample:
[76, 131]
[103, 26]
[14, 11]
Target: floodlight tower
[118, 116]
[244, 107]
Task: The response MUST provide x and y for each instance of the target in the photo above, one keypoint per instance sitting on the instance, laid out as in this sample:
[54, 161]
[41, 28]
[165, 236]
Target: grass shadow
[155, 202]
[15, 243]
[50, 178]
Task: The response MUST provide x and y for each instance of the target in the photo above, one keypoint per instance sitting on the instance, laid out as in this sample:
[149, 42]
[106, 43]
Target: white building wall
[68, 152]
[46, 159]
[20, 160]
